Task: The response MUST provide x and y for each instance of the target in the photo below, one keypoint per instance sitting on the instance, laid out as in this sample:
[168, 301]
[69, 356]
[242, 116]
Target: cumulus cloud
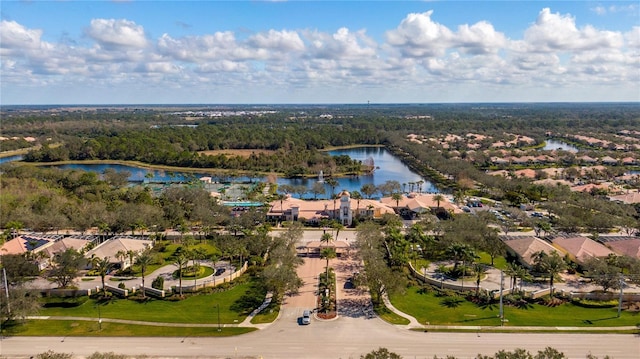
[117, 34]
[277, 40]
[555, 32]
[14, 36]
[419, 36]
[479, 38]
[417, 55]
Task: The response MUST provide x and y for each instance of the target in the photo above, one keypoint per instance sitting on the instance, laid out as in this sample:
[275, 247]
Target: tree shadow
[451, 302]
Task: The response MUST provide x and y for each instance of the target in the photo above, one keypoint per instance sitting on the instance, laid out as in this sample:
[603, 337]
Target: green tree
[381, 353]
[20, 304]
[327, 253]
[181, 262]
[18, 268]
[66, 266]
[397, 197]
[102, 266]
[368, 190]
[551, 265]
[144, 260]
[280, 275]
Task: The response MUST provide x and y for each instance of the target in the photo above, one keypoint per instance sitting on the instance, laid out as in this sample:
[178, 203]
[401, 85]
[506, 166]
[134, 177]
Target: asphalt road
[344, 338]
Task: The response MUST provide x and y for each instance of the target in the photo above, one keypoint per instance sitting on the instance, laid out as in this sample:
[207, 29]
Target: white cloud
[117, 34]
[14, 36]
[633, 37]
[419, 57]
[419, 36]
[555, 32]
[480, 38]
[277, 40]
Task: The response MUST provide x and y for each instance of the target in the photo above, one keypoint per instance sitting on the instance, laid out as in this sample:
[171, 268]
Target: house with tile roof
[628, 198]
[421, 203]
[580, 248]
[624, 246]
[344, 209]
[23, 244]
[113, 247]
[524, 248]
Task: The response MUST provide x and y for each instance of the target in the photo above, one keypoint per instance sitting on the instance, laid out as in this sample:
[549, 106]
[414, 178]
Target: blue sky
[136, 52]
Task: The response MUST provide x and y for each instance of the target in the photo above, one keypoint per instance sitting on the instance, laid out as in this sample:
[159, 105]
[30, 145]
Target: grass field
[437, 311]
[93, 328]
[235, 304]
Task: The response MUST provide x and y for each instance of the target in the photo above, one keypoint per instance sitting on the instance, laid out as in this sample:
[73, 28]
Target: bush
[158, 283]
[586, 303]
[53, 355]
[121, 285]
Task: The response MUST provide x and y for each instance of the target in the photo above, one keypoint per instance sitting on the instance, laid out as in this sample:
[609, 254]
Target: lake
[551, 145]
[389, 168]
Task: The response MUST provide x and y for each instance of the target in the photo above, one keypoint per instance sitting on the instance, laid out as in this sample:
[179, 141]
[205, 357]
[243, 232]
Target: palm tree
[552, 265]
[333, 184]
[181, 262]
[479, 269]
[337, 226]
[397, 197]
[357, 196]
[419, 183]
[326, 238]
[328, 253]
[144, 260]
[512, 271]
[438, 198]
[102, 267]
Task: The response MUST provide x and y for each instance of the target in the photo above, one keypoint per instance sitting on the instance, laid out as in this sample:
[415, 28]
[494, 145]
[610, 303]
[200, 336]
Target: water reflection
[388, 168]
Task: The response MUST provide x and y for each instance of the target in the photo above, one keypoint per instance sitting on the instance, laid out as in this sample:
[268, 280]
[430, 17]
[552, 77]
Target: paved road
[343, 338]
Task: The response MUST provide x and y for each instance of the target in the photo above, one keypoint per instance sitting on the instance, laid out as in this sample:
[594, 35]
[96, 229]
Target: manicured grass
[235, 305]
[204, 271]
[435, 310]
[268, 314]
[92, 328]
[498, 262]
[391, 317]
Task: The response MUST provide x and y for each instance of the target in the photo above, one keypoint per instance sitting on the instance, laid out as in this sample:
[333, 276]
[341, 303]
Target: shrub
[121, 285]
[158, 283]
[586, 303]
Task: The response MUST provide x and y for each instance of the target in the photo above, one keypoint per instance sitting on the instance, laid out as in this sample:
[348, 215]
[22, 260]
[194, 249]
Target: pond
[10, 159]
[388, 168]
[551, 145]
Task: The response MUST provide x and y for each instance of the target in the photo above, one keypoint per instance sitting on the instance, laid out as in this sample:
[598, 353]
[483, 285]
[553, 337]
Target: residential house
[120, 250]
[524, 248]
[580, 248]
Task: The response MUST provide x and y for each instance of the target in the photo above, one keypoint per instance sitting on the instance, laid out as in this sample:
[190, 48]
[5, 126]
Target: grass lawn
[92, 328]
[391, 317]
[235, 305]
[268, 314]
[498, 262]
[429, 308]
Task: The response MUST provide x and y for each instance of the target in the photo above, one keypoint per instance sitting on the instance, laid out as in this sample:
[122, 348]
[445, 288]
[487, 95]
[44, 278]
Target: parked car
[306, 317]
